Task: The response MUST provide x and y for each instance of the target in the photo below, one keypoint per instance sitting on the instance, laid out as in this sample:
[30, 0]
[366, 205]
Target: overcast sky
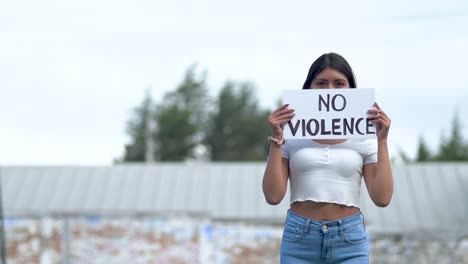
[71, 72]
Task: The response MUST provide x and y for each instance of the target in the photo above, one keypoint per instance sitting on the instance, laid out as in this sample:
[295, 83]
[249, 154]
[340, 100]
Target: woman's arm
[275, 178]
[378, 176]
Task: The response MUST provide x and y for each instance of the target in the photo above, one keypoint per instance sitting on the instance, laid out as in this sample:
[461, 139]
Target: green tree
[138, 129]
[180, 118]
[175, 134]
[424, 153]
[453, 148]
[237, 128]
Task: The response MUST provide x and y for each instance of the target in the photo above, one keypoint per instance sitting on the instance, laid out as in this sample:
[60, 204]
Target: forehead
[329, 73]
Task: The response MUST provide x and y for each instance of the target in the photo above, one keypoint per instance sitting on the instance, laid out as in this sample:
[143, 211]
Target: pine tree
[238, 128]
[454, 148]
[180, 118]
[424, 153]
[137, 129]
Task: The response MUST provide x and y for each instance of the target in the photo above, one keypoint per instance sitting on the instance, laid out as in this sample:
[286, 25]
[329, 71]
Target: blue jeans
[307, 240]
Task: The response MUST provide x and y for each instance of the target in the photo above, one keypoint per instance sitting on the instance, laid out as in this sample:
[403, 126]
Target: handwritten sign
[330, 113]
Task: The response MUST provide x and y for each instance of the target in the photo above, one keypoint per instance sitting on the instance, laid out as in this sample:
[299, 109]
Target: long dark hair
[330, 60]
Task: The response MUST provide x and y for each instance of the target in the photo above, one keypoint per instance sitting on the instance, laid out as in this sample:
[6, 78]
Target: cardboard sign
[330, 113]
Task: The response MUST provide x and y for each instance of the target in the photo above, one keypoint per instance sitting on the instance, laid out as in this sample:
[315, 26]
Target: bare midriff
[323, 211]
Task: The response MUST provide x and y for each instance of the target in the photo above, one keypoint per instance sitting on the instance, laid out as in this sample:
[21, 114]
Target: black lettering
[309, 130]
[294, 128]
[357, 126]
[369, 124]
[323, 128]
[348, 126]
[303, 127]
[334, 105]
[336, 126]
[327, 103]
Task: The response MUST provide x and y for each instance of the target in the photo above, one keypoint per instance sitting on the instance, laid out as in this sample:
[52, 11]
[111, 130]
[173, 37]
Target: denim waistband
[312, 224]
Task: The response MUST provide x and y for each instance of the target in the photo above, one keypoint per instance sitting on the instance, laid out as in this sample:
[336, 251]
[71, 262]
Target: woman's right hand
[278, 118]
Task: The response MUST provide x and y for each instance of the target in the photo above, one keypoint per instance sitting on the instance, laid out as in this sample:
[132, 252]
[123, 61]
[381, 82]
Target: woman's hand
[381, 120]
[278, 118]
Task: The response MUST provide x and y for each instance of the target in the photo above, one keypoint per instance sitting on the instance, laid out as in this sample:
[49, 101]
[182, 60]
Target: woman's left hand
[381, 120]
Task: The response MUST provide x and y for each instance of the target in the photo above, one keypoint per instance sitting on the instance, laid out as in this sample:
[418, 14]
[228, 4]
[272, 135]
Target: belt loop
[341, 228]
[363, 219]
[306, 226]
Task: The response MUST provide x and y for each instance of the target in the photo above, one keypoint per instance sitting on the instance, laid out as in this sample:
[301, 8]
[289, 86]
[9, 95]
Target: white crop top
[328, 173]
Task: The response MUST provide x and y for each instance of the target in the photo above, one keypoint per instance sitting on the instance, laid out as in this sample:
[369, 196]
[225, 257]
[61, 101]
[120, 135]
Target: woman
[324, 223]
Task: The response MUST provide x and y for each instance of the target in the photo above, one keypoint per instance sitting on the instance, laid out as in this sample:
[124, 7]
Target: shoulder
[363, 146]
[367, 148]
[363, 143]
[295, 143]
[292, 145]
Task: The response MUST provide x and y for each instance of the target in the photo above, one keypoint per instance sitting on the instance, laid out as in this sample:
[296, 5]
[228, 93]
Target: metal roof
[427, 196]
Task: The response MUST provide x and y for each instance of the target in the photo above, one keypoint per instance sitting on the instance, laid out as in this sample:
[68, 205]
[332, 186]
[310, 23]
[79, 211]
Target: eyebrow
[323, 79]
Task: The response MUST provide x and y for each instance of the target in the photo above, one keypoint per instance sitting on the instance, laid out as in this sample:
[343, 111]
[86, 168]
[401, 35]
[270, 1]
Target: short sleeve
[370, 151]
[285, 150]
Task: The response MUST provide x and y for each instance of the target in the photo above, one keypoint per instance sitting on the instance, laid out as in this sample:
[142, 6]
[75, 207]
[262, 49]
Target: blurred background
[134, 131]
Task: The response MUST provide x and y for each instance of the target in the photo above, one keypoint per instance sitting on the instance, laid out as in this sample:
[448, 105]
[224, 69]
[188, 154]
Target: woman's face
[329, 79]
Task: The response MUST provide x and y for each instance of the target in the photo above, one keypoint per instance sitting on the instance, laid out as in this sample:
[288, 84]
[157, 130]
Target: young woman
[324, 223]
